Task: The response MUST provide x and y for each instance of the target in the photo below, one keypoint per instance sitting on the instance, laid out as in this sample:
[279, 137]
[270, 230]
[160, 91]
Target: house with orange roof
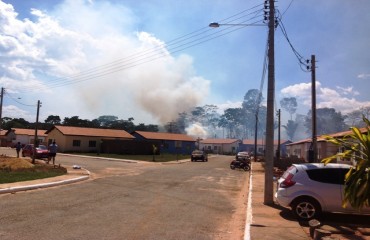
[167, 142]
[81, 139]
[248, 145]
[3, 139]
[220, 145]
[25, 136]
[325, 149]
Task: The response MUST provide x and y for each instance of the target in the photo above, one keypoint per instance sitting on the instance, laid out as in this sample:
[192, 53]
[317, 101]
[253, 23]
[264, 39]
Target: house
[220, 146]
[80, 139]
[3, 139]
[248, 146]
[25, 136]
[325, 149]
[167, 142]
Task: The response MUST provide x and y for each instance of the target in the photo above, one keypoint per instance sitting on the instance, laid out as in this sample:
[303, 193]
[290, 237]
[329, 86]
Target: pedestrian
[52, 152]
[18, 148]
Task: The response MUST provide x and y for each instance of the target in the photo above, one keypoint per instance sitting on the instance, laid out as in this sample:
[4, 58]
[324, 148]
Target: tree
[9, 123]
[290, 129]
[289, 105]
[357, 180]
[252, 111]
[232, 119]
[327, 121]
[106, 120]
[53, 120]
[76, 122]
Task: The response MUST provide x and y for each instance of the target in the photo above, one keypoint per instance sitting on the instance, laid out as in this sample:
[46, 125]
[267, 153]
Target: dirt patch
[14, 164]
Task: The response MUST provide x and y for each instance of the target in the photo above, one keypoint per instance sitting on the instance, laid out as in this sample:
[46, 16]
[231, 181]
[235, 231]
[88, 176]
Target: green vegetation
[164, 157]
[7, 175]
[357, 180]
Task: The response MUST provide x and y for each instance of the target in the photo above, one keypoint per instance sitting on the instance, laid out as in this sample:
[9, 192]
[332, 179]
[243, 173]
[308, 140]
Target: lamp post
[269, 154]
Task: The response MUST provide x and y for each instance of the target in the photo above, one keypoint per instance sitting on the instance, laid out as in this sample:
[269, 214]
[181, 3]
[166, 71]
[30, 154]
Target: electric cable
[178, 44]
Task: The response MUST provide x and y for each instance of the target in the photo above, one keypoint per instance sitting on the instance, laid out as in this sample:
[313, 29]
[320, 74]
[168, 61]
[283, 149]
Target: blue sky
[46, 46]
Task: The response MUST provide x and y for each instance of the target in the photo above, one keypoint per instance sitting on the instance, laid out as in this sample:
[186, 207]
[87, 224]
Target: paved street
[193, 200]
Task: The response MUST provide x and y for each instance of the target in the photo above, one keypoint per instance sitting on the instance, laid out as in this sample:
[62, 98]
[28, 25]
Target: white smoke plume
[197, 130]
[79, 36]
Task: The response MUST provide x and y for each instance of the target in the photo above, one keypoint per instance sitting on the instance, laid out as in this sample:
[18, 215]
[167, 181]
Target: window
[92, 144]
[215, 148]
[329, 175]
[76, 143]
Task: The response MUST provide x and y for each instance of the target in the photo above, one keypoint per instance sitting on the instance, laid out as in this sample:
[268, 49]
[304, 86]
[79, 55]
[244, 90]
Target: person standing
[52, 152]
[18, 148]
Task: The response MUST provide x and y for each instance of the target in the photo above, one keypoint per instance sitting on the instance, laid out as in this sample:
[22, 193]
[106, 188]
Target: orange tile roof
[165, 136]
[29, 132]
[219, 141]
[92, 132]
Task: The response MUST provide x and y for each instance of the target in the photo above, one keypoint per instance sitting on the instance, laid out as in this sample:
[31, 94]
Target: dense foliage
[356, 146]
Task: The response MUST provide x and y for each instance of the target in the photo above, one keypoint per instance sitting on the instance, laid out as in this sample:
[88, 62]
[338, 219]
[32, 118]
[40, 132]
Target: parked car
[41, 151]
[242, 156]
[312, 188]
[199, 155]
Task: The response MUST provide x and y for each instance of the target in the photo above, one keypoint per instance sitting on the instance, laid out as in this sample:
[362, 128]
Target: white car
[312, 188]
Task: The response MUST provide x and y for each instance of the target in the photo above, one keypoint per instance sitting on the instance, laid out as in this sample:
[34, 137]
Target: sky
[152, 59]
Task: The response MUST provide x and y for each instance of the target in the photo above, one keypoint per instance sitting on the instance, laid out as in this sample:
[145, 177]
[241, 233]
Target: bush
[284, 163]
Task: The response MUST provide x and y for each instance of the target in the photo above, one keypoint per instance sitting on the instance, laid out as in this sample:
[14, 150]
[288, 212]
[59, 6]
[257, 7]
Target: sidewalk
[270, 222]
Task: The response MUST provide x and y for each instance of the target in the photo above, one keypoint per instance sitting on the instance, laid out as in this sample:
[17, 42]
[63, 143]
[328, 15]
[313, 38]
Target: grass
[19, 169]
[164, 157]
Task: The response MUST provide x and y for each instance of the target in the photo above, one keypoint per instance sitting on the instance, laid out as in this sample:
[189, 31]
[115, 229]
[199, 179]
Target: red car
[41, 151]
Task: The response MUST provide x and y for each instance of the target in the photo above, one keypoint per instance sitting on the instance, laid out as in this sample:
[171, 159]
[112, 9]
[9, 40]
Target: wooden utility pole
[269, 157]
[36, 141]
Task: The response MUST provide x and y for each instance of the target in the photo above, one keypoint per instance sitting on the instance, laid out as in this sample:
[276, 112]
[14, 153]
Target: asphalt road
[193, 200]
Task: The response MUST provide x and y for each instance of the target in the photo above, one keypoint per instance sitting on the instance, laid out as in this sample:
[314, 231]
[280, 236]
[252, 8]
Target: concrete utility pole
[278, 146]
[36, 142]
[269, 157]
[313, 110]
[1, 107]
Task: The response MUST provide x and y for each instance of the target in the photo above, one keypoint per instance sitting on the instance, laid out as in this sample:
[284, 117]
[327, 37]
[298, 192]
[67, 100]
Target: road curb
[45, 185]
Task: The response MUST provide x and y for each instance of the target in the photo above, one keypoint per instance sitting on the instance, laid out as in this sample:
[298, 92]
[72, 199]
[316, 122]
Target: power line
[302, 61]
[186, 41]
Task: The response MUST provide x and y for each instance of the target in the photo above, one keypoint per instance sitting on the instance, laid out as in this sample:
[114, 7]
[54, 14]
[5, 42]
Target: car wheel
[306, 208]
[232, 166]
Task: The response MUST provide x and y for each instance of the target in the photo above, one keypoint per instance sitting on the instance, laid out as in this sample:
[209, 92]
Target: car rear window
[291, 170]
[328, 175]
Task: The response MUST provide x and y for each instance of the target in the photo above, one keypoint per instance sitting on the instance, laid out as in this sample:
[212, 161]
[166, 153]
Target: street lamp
[216, 24]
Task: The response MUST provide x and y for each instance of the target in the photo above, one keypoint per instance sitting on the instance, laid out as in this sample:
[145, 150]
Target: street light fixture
[216, 24]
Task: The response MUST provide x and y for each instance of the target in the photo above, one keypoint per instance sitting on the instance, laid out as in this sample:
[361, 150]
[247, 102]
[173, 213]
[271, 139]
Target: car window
[328, 175]
[291, 170]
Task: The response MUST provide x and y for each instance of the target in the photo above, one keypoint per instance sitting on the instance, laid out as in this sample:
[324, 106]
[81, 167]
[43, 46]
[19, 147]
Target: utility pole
[269, 157]
[1, 107]
[278, 146]
[255, 138]
[36, 142]
[313, 110]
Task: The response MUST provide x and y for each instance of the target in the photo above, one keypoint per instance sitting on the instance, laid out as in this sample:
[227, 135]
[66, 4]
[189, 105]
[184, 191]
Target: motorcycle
[242, 164]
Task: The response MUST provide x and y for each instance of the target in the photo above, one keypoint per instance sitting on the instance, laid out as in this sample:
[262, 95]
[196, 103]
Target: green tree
[76, 122]
[357, 180]
[53, 120]
[327, 121]
[252, 112]
[107, 120]
[290, 129]
[289, 105]
[9, 123]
